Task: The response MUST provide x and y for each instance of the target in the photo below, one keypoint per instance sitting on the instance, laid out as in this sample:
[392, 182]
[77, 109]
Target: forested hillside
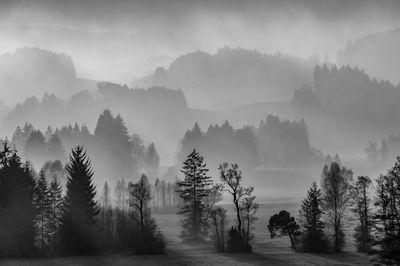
[234, 76]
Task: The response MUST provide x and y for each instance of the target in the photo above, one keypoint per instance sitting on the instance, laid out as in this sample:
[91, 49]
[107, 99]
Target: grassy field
[266, 251]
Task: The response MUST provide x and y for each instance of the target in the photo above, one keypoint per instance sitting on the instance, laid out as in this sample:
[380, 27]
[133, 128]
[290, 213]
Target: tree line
[274, 142]
[118, 154]
[323, 218]
[38, 218]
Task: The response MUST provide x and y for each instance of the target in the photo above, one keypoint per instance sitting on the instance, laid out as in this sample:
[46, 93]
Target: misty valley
[225, 134]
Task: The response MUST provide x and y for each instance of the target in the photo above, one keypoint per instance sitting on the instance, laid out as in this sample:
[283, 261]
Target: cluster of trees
[325, 211]
[118, 154]
[163, 195]
[275, 142]
[70, 223]
[199, 213]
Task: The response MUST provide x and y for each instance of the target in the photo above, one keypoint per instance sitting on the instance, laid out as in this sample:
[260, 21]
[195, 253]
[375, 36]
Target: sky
[121, 40]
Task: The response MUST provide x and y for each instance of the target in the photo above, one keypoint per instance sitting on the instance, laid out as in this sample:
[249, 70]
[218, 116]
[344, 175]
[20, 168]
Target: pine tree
[43, 211]
[194, 190]
[313, 238]
[56, 202]
[79, 230]
[17, 211]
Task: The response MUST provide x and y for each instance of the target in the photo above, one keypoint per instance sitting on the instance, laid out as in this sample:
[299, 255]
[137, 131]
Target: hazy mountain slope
[33, 71]
[378, 54]
[234, 76]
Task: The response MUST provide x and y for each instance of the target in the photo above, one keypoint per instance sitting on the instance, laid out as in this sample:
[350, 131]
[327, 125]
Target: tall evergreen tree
[17, 211]
[79, 228]
[194, 190]
[313, 238]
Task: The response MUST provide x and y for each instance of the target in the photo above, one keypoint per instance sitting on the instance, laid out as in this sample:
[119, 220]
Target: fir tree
[79, 229]
[17, 211]
[194, 190]
[313, 238]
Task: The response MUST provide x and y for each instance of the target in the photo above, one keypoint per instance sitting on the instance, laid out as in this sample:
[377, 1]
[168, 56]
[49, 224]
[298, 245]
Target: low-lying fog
[293, 79]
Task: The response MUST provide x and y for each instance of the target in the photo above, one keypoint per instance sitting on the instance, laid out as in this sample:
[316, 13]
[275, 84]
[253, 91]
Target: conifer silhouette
[79, 225]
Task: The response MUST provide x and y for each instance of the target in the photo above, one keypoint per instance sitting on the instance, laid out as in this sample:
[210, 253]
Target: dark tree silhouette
[313, 238]
[361, 199]
[244, 203]
[219, 221]
[17, 212]
[149, 240]
[283, 224]
[388, 213]
[79, 229]
[194, 190]
[335, 185]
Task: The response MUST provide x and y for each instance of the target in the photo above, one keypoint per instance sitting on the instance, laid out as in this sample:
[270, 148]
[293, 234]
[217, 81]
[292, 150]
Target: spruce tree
[194, 190]
[43, 212]
[17, 211]
[313, 238]
[79, 228]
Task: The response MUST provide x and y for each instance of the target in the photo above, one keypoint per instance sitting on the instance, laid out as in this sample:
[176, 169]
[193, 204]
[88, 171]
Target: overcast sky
[120, 40]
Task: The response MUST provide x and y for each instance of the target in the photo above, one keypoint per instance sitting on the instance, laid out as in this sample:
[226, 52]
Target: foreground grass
[265, 252]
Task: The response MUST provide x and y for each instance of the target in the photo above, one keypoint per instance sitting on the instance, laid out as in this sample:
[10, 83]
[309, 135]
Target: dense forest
[118, 153]
[275, 142]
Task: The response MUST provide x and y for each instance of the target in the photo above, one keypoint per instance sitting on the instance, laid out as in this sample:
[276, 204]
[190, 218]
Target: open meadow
[266, 251]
